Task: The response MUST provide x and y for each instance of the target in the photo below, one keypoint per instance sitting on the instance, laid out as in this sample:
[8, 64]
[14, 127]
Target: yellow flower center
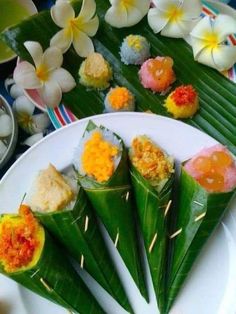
[127, 3]
[24, 119]
[42, 73]
[98, 157]
[174, 13]
[211, 40]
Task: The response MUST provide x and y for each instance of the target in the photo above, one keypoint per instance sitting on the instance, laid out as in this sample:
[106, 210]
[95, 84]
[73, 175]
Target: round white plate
[211, 286]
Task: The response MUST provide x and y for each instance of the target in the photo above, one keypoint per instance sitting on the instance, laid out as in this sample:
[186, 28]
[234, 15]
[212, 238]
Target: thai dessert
[135, 49]
[101, 162]
[157, 74]
[207, 185]
[30, 256]
[119, 99]
[183, 102]
[95, 72]
[152, 172]
[62, 207]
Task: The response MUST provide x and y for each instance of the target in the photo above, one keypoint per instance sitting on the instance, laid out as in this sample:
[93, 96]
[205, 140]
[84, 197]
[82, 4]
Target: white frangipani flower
[76, 30]
[208, 40]
[174, 18]
[126, 13]
[46, 76]
[31, 123]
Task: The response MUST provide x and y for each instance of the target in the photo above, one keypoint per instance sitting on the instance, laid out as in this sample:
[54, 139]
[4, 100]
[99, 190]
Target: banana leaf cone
[199, 210]
[101, 162]
[29, 256]
[76, 228]
[153, 200]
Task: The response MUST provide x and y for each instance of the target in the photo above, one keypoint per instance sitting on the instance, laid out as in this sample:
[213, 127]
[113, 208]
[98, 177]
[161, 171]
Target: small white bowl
[12, 139]
[31, 8]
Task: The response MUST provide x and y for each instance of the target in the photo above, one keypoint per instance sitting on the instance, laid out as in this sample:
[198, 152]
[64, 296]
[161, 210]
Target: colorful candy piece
[119, 99]
[135, 49]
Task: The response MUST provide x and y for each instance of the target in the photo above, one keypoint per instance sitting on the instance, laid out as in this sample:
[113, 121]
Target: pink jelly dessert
[214, 168]
[157, 74]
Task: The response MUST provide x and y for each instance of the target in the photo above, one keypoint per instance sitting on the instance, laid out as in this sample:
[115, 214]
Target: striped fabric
[62, 116]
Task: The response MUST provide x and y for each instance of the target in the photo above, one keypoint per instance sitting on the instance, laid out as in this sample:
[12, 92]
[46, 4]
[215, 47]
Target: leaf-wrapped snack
[101, 161]
[29, 256]
[62, 207]
[206, 187]
[152, 173]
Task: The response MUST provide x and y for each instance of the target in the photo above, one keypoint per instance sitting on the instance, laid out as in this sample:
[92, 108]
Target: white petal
[192, 9]
[83, 44]
[198, 45]
[206, 57]
[8, 83]
[91, 27]
[134, 16]
[142, 5]
[64, 79]
[165, 5]
[16, 91]
[176, 30]
[203, 26]
[25, 76]
[30, 141]
[224, 57]
[116, 16]
[156, 20]
[41, 122]
[35, 50]
[3, 149]
[62, 13]
[23, 105]
[88, 9]
[5, 125]
[52, 58]
[51, 94]
[62, 39]
[224, 25]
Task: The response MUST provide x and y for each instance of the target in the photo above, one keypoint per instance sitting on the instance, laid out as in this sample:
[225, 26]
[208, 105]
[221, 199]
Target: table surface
[41, 5]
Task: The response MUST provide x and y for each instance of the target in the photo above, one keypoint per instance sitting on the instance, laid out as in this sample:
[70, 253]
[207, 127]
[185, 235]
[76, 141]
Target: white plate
[210, 289]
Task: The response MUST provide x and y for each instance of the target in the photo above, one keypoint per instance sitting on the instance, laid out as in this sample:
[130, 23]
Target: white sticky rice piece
[3, 149]
[108, 136]
[5, 125]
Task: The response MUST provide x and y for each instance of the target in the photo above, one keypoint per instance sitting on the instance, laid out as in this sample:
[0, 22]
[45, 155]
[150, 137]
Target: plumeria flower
[174, 18]
[209, 42]
[126, 13]
[46, 76]
[31, 123]
[76, 30]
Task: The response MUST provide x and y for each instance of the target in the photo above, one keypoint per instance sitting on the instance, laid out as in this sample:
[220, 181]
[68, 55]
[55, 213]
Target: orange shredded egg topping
[184, 95]
[162, 72]
[211, 169]
[150, 160]
[120, 97]
[17, 240]
[98, 157]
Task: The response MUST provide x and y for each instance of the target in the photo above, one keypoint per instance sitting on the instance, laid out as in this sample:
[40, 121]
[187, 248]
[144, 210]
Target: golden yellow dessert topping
[120, 98]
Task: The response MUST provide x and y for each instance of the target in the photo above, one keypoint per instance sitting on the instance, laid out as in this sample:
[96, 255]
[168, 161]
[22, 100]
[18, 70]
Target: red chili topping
[184, 95]
[17, 241]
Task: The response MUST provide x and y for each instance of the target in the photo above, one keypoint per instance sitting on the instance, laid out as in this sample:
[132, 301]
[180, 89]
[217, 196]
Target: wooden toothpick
[198, 203]
[117, 239]
[200, 217]
[45, 284]
[152, 243]
[35, 273]
[82, 261]
[176, 233]
[86, 223]
[167, 208]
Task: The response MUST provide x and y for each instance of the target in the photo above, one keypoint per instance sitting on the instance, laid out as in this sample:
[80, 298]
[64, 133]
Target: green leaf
[217, 116]
[198, 214]
[77, 230]
[151, 206]
[113, 204]
[54, 278]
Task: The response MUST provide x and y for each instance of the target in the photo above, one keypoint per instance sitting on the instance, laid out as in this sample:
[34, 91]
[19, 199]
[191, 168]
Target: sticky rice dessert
[183, 102]
[95, 72]
[119, 99]
[214, 168]
[157, 74]
[135, 49]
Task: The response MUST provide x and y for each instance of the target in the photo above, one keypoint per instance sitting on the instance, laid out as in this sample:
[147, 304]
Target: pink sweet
[221, 167]
[157, 74]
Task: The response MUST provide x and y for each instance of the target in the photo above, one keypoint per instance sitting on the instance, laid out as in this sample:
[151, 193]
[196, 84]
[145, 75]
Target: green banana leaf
[217, 115]
[54, 278]
[198, 214]
[152, 206]
[77, 230]
[113, 204]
